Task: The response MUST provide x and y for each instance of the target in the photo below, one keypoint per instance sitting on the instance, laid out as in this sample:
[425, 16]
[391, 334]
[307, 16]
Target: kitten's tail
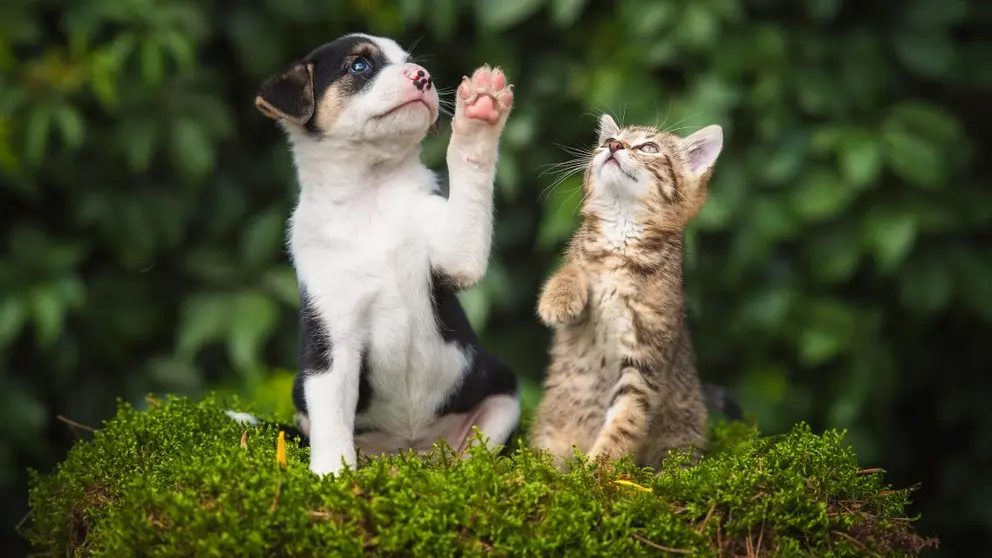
[253, 421]
[719, 400]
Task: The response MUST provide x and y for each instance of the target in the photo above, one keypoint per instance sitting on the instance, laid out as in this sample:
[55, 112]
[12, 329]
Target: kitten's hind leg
[555, 443]
[627, 417]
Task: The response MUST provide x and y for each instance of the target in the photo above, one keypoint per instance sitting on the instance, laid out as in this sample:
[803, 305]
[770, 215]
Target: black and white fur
[388, 360]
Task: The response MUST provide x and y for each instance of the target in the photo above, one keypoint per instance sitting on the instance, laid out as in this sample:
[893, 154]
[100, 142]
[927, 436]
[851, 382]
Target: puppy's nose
[615, 146]
[420, 77]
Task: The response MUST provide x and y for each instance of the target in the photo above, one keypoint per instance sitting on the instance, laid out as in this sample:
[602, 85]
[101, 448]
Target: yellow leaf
[632, 485]
[281, 449]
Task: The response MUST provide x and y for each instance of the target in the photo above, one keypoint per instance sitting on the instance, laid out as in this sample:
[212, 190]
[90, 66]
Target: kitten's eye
[648, 147]
[360, 65]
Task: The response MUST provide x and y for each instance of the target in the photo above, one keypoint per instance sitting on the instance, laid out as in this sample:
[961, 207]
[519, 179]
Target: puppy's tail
[719, 400]
[253, 421]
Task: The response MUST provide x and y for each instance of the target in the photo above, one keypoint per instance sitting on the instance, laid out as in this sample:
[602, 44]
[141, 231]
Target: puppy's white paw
[242, 418]
[483, 101]
[330, 462]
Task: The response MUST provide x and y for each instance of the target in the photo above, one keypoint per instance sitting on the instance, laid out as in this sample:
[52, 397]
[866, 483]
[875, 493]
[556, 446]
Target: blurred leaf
[104, 67]
[443, 15]
[508, 177]
[769, 307]
[771, 219]
[252, 319]
[833, 254]
[281, 283]
[860, 159]
[497, 15]
[768, 384]
[698, 25]
[786, 162]
[412, 10]
[12, 315]
[36, 141]
[889, 234]
[560, 213]
[715, 212]
[174, 375]
[180, 47]
[139, 138]
[914, 160]
[71, 125]
[820, 195]
[204, 318]
[264, 238]
[565, 12]
[47, 313]
[929, 55]
[646, 19]
[191, 149]
[829, 328]
[935, 123]
[152, 62]
[475, 301]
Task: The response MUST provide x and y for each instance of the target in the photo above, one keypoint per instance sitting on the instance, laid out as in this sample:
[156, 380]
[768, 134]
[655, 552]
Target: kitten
[622, 377]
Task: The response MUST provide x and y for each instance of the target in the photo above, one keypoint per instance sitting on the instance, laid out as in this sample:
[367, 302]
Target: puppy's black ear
[288, 96]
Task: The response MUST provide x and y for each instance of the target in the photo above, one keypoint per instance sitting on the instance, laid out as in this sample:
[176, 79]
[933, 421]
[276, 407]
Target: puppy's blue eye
[359, 65]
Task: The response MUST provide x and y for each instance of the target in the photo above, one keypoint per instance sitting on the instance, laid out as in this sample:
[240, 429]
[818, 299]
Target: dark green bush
[181, 479]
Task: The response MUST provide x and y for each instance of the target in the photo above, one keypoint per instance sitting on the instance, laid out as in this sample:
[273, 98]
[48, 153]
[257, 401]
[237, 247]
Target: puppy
[388, 360]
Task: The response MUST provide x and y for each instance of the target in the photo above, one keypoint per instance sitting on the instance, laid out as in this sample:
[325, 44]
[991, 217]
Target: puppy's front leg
[332, 397]
[463, 237]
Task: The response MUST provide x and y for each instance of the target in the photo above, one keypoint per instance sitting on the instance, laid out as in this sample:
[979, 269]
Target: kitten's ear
[288, 96]
[703, 147]
[607, 128]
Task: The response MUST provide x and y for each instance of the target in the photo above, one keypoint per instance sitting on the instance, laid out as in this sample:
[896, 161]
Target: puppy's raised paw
[483, 101]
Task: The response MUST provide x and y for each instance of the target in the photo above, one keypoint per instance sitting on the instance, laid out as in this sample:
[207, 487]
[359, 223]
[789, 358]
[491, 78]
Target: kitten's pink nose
[615, 146]
[419, 76]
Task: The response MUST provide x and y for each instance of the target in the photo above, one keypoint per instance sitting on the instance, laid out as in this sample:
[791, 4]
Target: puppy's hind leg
[497, 417]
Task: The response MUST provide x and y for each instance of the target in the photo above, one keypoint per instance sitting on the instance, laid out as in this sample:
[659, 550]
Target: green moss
[177, 480]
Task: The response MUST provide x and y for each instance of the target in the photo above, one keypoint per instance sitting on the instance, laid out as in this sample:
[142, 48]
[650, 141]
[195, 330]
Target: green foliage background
[840, 273]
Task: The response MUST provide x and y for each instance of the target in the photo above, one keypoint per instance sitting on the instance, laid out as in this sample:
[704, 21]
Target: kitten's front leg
[628, 415]
[463, 237]
[564, 296]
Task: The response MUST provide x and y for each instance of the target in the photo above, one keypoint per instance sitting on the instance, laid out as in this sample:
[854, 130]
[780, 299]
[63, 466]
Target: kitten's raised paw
[561, 304]
[483, 99]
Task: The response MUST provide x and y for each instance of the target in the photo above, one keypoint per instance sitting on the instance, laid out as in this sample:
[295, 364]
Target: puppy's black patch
[289, 95]
[349, 65]
[315, 356]
[486, 374]
[315, 340]
[315, 349]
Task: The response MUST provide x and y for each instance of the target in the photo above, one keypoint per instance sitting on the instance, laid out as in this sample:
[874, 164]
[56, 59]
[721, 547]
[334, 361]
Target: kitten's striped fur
[622, 377]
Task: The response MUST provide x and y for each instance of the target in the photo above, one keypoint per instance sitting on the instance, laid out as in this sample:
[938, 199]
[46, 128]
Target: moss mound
[181, 479]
